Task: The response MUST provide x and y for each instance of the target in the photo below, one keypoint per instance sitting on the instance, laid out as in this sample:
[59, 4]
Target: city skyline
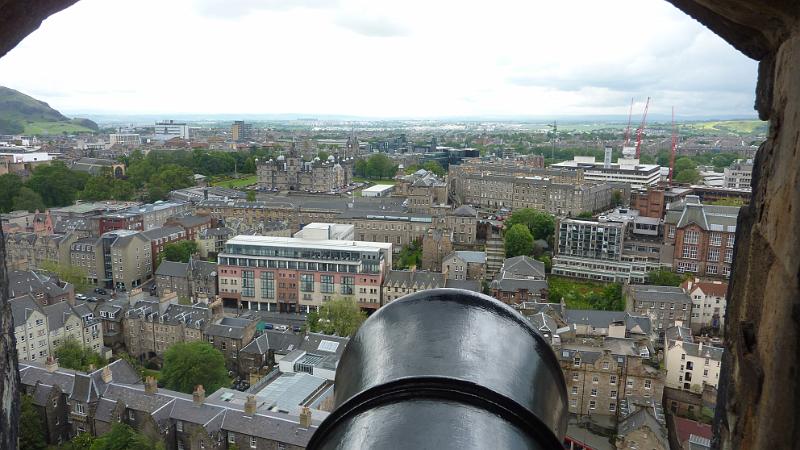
[347, 59]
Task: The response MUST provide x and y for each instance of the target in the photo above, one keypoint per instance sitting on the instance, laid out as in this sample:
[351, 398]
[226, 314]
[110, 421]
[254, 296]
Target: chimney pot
[199, 395]
[107, 375]
[250, 405]
[305, 418]
[51, 365]
[150, 385]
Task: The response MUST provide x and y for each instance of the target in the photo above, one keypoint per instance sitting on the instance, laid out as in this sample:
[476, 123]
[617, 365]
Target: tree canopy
[580, 294]
[123, 437]
[519, 241]
[72, 355]
[10, 184]
[31, 428]
[377, 166]
[340, 316]
[187, 364]
[541, 224]
[179, 251]
[27, 200]
[57, 184]
[74, 275]
[664, 277]
[410, 255]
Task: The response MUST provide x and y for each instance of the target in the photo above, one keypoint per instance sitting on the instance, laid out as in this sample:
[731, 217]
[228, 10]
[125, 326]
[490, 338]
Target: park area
[581, 294]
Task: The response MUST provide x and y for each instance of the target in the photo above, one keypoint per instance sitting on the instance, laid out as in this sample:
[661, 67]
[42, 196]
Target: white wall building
[126, 140]
[625, 170]
[169, 129]
[708, 303]
[739, 175]
[690, 366]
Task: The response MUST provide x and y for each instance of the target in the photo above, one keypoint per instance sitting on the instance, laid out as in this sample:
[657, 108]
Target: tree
[82, 441]
[251, 196]
[28, 200]
[187, 364]
[616, 197]
[663, 277]
[179, 251]
[31, 429]
[323, 155]
[10, 185]
[541, 224]
[123, 437]
[435, 167]
[57, 184]
[75, 275]
[519, 241]
[585, 215]
[689, 176]
[72, 355]
[340, 316]
[410, 255]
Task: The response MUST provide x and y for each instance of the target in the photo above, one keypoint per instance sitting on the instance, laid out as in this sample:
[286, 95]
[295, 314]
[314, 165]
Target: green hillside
[20, 113]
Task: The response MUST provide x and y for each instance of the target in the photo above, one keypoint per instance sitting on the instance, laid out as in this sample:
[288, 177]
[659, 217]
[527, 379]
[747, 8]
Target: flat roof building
[625, 170]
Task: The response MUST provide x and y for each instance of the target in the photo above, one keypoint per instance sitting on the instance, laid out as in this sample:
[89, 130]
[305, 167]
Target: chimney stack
[305, 418]
[150, 385]
[92, 368]
[51, 365]
[250, 405]
[199, 395]
[107, 377]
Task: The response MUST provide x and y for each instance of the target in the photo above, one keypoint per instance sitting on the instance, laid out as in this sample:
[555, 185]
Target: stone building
[691, 366]
[229, 335]
[463, 222]
[192, 225]
[119, 260]
[264, 351]
[665, 305]
[602, 372]
[464, 265]
[25, 251]
[520, 279]
[399, 229]
[645, 428]
[160, 237]
[46, 289]
[399, 283]
[436, 245]
[291, 173]
[425, 192]
[702, 237]
[173, 276]
[708, 304]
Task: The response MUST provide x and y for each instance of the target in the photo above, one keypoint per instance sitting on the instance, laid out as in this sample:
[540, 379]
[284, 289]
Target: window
[574, 390]
[690, 237]
[713, 255]
[307, 282]
[605, 365]
[689, 365]
[248, 284]
[592, 405]
[612, 407]
[55, 403]
[347, 285]
[671, 232]
[281, 446]
[613, 380]
[594, 392]
[224, 345]
[574, 376]
[77, 408]
[131, 415]
[613, 394]
[252, 442]
[595, 379]
[326, 284]
[647, 384]
[179, 425]
[711, 270]
[267, 285]
[573, 403]
[705, 372]
[716, 239]
[231, 437]
[577, 361]
[630, 384]
[180, 445]
[728, 255]
[689, 251]
[731, 239]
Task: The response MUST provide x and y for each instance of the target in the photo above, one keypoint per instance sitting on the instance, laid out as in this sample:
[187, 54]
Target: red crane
[674, 148]
[641, 129]
[628, 128]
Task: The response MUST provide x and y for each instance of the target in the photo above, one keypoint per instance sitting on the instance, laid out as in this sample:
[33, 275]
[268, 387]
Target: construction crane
[674, 148]
[641, 129]
[628, 128]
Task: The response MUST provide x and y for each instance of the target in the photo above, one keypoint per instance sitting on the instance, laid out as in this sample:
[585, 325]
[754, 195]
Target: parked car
[100, 291]
[80, 297]
[281, 327]
[92, 299]
[296, 328]
[268, 326]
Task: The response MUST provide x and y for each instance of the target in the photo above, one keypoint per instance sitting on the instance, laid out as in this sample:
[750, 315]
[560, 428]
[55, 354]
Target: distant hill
[20, 113]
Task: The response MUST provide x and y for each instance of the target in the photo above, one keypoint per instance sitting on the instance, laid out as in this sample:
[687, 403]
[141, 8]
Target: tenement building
[296, 274]
[666, 306]
[559, 192]
[702, 237]
[291, 173]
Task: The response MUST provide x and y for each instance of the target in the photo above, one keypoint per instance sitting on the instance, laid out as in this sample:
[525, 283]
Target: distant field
[236, 183]
[731, 126]
[54, 128]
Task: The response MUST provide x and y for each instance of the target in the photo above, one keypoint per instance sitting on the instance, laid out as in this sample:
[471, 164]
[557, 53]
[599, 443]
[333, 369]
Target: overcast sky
[408, 58]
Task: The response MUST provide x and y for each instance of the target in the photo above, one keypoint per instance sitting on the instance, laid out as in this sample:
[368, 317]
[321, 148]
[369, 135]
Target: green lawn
[151, 373]
[732, 126]
[54, 128]
[236, 182]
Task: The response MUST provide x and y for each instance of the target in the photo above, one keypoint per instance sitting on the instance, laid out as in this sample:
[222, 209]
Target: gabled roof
[522, 267]
[161, 232]
[709, 288]
[468, 285]
[543, 323]
[700, 350]
[411, 278]
[84, 389]
[57, 315]
[22, 282]
[279, 341]
[172, 269]
[469, 256]
[22, 308]
[671, 294]
[602, 319]
[643, 418]
[317, 343]
[678, 334]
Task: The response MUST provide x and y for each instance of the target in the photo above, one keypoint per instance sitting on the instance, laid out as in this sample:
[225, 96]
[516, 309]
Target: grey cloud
[372, 26]
[233, 9]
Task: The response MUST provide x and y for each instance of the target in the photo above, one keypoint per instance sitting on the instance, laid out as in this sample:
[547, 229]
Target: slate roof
[280, 342]
[227, 328]
[709, 217]
[57, 315]
[602, 319]
[465, 211]
[190, 221]
[311, 343]
[267, 426]
[543, 323]
[522, 267]
[515, 284]
[172, 269]
[469, 285]
[640, 418]
[708, 351]
[84, 388]
[105, 407]
[22, 282]
[678, 334]
[22, 307]
[469, 256]
[670, 294]
[189, 411]
[161, 232]
[421, 278]
[41, 394]
[202, 269]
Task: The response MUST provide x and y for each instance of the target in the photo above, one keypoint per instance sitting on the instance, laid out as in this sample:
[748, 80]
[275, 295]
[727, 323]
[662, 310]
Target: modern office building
[125, 140]
[628, 171]
[168, 129]
[295, 274]
[241, 131]
[739, 175]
